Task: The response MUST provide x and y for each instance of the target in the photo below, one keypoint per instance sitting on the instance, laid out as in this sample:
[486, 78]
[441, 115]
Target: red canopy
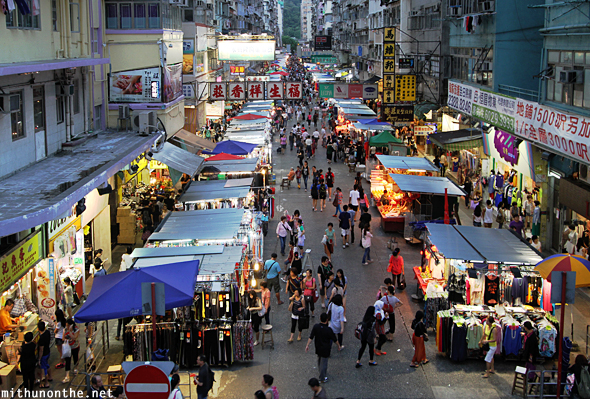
[280, 73]
[222, 156]
[249, 117]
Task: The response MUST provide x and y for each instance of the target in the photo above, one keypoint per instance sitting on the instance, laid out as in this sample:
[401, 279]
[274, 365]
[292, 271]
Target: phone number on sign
[460, 104]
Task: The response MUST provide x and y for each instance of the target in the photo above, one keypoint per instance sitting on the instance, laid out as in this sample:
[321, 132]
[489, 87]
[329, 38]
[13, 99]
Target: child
[298, 176]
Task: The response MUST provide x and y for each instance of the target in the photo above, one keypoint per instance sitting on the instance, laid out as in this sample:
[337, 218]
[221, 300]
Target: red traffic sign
[147, 381]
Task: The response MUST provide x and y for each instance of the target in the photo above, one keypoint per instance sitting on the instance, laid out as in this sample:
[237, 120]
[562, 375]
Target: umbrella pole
[154, 341]
[561, 321]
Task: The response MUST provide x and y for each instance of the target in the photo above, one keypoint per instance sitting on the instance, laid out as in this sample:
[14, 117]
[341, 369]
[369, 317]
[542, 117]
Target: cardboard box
[8, 376]
[127, 227]
[124, 211]
[126, 239]
[126, 219]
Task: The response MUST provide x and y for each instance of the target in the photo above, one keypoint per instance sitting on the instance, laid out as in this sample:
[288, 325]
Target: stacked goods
[127, 222]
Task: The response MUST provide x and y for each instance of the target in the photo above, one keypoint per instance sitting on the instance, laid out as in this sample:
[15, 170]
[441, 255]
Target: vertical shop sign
[405, 88]
[388, 65]
[45, 277]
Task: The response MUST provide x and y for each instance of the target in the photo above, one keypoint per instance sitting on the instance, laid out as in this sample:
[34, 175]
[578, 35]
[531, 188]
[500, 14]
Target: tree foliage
[292, 18]
[291, 41]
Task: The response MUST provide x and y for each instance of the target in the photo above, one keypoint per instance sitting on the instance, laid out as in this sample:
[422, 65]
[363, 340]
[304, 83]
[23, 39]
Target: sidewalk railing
[94, 355]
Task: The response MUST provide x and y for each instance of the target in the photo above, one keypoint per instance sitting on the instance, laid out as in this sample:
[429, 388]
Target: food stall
[387, 140]
[480, 280]
[393, 216]
[229, 169]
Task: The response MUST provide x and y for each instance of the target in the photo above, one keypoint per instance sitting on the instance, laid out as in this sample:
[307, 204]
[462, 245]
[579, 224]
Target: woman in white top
[60, 325]
[536, 243]
[126, 260]
[572, 238]
[174, 389]
[366, 242]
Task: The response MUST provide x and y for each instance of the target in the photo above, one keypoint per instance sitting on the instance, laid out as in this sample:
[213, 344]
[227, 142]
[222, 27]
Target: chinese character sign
[405, 88]
[389, 50]
[388, 66]
[236, 91]
[388, 81]
[293, 91]
[388, 96]
[217, 91]
[255, 90]
[397, 113]
[389, 35]
[275, 91]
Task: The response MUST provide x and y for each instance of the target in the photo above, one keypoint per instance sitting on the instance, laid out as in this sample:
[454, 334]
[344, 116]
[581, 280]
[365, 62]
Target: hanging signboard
[397, 113]
[217, 91]
[17, 262]
[246, 50]
[323, 43]
[236, 91]
[405, 87]
[256, 90]
[274, 91]
[237, 70]
[370, 91]
[326, 90]
[294, 91]
[257, 78]
[340, 90]
[136, 86]
[172, 82]
[406, 63]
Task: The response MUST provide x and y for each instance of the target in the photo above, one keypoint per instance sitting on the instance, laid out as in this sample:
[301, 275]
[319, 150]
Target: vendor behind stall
[385, 199]
[7, 323]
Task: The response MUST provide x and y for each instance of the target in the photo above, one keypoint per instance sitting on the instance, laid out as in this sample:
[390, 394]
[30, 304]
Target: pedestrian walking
[291, 140]
[283, 229]
[336, 317]
[297, 308]
[364, 221]
[309, 292]
[390, 303]
[366, 243]
[329, 151]
[265, 298]
[298, 176]
[43, 353]
[324, 269]
[396, 267]
[204, 378]
[352, 213]
[28, 361]
[418, 340]
[501, 216]
[330, 182]
[318, 391]
[342, 282]
[71, 337]
[488, 343]
[256, 312]
[300, 233]
[477, 217]
[293, 282]
[323, 336]
[367, 337]
[305, 173]
[344, 218]
[328, 241]
[60, 327]
[363, 201]
[337, 201]
[273, 269]
[380, 320]
[489, 213]
[536, 229]
[300, 152]
[270, 391]
[323, 192]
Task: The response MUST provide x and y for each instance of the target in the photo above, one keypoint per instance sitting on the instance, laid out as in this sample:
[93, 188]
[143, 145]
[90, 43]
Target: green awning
[463, 139]
[420, 110]
[384, 138]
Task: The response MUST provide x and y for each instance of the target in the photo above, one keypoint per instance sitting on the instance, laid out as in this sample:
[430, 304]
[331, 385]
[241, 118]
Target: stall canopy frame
[222, 224]
[406, 163]
[427, 185]
[456, 140]
[247, 165]
[188, 139]
[215, 190]
[179, 159]
[451, 244]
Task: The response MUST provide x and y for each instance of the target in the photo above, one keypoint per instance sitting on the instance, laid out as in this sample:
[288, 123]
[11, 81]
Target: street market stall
[396, 204]
[477, 279]
[217, 194]
[386, 140]
[229, 169]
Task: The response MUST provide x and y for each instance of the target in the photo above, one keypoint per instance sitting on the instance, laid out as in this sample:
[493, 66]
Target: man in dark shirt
[43, 353]
[323, 271]
[364, 221]
[202, 379]
[324, 336]
[344, 225]
[517, 225]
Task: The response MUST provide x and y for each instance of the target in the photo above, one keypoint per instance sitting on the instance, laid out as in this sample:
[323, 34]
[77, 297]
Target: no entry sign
[147, 381]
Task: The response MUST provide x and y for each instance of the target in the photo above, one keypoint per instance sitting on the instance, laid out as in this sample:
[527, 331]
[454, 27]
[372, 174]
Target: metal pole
[560, 359]
[155, 345]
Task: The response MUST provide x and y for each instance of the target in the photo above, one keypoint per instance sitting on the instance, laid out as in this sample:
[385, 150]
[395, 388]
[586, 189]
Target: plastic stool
[114, 373]
[267, 329]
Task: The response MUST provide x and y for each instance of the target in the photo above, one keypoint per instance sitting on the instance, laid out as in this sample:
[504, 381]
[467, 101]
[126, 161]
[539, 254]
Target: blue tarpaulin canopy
[118, 295]
[373, 122]
[451, 244]
[427, 185]
[399, 162]
[233, 147]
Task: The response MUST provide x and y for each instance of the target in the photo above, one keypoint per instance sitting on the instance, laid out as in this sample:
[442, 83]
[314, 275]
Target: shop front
[25, 281]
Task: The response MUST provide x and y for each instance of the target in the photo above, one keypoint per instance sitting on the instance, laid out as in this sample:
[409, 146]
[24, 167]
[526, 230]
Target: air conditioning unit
[145, 122]
[486, 66]
[180, 3]
[6, 106]
[413, 13]
[215, 22]
[487, 6]
[64, 90]
[123, 111]
[455, 11]
[571, 77]
[209, 6]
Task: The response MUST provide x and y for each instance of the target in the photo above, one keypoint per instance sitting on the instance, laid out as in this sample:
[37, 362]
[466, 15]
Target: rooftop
[48, 189]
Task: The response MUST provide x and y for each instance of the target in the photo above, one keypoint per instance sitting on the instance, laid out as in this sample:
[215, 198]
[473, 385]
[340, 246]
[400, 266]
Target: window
[140, 16]
[39, 107]
[126, 16]
[17, 122]
[472, 64]
[576, 93]
[145, 15]
[76, 98]
[54, 15]
[74, 17]
[97, 116]
[15, 19]
[60, 108]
